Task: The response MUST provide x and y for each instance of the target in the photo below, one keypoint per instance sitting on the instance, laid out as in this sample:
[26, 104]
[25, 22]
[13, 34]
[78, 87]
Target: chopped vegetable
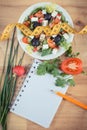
[51, 43]
[45, 16]
[51, 67]
[19, 70]
[25, 40]
[72, 66]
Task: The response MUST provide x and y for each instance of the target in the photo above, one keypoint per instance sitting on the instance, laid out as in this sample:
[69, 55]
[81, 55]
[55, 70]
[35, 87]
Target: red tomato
[51, 43]
[35, 49]
[26, 23]
[72, 66]
[56, 20]
[25, 40]
[39, 14]
[18, 70]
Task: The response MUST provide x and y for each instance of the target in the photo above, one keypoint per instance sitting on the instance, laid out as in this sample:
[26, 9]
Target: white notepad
[35, 101]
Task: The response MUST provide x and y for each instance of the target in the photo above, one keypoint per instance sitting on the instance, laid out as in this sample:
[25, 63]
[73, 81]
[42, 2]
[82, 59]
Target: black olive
[35, 42]
[51, 38]
[57, 39]
[47, 16]
[35, 24]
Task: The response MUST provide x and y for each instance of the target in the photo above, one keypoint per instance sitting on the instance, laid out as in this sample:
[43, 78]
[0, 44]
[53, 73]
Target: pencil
[72, 100]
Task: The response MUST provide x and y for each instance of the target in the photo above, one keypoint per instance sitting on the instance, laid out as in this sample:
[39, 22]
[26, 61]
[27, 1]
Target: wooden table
[68, 116]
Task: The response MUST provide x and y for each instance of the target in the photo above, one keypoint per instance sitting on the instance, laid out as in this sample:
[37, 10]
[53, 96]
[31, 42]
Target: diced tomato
[58, 14]
[39, 14]
[31, 16]
[72, 66]
[40, 20]
[25, 40]
[26, 23]
[51, 43]
[56, 20]
[35, 49]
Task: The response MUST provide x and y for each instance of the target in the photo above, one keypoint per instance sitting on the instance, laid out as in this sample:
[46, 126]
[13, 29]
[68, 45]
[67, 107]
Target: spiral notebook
[35, 100]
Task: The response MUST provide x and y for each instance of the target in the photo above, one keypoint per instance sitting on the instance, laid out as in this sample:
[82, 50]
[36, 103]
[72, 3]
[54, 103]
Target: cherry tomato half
[25, 40]
[72, 66]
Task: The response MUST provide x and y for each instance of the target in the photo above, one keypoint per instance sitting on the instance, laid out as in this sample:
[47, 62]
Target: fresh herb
[46, 52]
[51, 67]
[31, 26]
[71, 82]
[62, 82]
[8, 87]
[36, 10]
[69, 53]
[63, 42]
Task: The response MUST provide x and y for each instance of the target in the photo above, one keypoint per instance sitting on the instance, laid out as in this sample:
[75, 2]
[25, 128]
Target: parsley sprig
[52, 67]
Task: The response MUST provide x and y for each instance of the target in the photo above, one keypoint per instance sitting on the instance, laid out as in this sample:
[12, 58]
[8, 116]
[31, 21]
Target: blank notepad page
[35, 101]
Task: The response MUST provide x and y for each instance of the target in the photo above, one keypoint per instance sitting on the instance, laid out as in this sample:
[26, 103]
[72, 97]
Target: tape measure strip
[37, 31]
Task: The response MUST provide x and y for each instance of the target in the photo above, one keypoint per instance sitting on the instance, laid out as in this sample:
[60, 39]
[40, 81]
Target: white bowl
[20, 35]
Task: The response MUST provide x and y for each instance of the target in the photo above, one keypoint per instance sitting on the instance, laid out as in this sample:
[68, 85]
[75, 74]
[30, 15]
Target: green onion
[8, 87]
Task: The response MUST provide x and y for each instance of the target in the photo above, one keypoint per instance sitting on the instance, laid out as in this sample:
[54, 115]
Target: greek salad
[43, 44]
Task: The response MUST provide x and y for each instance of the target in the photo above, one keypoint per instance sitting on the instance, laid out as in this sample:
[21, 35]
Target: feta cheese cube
[44, 11]
[54, 36]
[34, 19]
[45, 22]
[54, 51]
[42, 37]
[66, 36]
[31, 37]
[54, 13]
[45, 46]
[59, 17]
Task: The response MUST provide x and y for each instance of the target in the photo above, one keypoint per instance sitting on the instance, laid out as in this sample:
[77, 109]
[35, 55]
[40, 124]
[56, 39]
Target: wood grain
[68, 116]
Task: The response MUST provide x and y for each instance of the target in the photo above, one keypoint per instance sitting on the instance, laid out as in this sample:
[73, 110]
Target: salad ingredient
[19, 70]
[54, 13]
[34, 19]
[66, 36]
[51, 43]
[35, 42]
[46, 52]
[45, 46]
[57, 39]
[26, 23]
[61, 82]
[42, 37]
[69, 53]
[39, 14]
[72, 66]
[45, 22]
[47, 17]
[25, 40]
[56, 20]
[51, 67]
[35, 24]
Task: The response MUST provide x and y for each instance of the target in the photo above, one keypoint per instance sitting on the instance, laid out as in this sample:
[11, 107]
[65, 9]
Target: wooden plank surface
[68, 116]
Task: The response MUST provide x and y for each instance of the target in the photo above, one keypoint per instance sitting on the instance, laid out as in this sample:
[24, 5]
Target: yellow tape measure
[37, 31]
